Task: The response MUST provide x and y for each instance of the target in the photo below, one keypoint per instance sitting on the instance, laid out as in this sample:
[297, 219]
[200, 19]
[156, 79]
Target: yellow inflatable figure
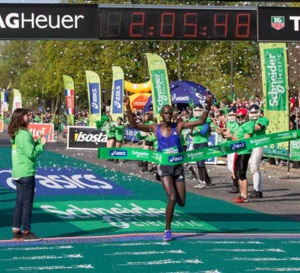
[138, 87]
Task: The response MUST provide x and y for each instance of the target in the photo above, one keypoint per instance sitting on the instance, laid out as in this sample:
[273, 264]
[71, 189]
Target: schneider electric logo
[174, 159]
[238, 146]
[40, 21]
[118, 153]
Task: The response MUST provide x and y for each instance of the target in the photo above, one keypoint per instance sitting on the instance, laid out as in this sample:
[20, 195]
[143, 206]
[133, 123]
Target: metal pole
[231, 70]
[179, 61]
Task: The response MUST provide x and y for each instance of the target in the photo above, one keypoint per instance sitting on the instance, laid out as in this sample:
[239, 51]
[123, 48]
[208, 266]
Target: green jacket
[24, 153]
[119, 132]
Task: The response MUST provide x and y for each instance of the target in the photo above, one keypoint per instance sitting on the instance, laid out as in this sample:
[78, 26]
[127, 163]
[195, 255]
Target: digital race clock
[177, 23]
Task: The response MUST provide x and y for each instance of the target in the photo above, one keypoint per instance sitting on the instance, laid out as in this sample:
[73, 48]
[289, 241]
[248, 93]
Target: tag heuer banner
[159, 82]
[17, 102]
[278, 24]
[117, 94]
[83, 137]
[94, 97]
[49, 21]
[275, 90]
[70, 104]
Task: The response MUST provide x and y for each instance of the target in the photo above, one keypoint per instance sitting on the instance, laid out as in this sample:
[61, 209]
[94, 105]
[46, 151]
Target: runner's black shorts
[177, 172]
[148, 143]
[109, 138]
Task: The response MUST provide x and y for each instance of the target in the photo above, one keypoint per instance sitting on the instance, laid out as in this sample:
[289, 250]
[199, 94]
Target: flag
[94, 97]
[159, 82]
[17, 102]
[69, 93]
[2, 105]
[117, 94]
[275, 91]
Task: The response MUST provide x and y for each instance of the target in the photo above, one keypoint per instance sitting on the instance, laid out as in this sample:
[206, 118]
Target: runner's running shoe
[168, 235]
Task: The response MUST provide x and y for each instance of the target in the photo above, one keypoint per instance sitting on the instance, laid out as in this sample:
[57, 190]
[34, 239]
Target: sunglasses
[239, 117]
[198, 110]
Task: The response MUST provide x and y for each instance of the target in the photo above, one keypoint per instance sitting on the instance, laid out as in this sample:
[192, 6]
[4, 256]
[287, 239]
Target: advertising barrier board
[46, 129]
[83, 137]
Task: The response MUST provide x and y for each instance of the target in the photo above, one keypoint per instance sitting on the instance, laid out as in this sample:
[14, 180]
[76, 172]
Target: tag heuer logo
[277, 22]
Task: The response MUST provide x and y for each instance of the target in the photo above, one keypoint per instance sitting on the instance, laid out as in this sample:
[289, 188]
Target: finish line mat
[193, 253]
[78, 200]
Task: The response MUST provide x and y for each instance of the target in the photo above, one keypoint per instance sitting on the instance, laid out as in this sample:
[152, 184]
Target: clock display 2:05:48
[178, 24]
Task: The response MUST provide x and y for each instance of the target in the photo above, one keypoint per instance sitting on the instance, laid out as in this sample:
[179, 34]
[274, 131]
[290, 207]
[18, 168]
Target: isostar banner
[45, 129]
[49, 21]
[2, 106]
[17, 102]
[83, 137]
[117, 94]
[1, 125]
[159, 82]
[275, 91]
[69, 93]
[94, 97]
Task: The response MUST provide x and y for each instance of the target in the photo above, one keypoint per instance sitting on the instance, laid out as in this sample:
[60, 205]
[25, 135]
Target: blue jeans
[24, 202]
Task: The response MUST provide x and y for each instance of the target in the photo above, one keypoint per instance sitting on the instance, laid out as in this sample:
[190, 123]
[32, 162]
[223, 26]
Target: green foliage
[36, 67]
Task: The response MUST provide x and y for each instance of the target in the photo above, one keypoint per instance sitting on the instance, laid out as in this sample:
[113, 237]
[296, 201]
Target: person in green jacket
[260, 127]
[109, 129]
[200, 136]
[184, 141]
[245, 129]
[231, 125]
[119, 133]
[24, 153]
[148, 138]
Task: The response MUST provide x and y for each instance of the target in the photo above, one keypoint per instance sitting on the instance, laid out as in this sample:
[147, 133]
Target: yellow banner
[275, 91]
[159, 82]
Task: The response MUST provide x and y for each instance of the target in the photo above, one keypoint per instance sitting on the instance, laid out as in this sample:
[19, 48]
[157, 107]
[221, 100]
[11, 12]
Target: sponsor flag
[94, 97]
[159, 82]
[275, 91]
[117, 94]
[2, 105]
[69, 93]
[17, 102]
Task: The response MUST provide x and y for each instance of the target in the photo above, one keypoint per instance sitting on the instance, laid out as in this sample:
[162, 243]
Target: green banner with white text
[275, 91]
[198, 154]
[159, 82]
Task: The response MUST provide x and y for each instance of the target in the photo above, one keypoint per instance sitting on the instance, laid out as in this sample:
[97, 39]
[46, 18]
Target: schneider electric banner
[48, 21]
[83, 137]
[275, 90]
